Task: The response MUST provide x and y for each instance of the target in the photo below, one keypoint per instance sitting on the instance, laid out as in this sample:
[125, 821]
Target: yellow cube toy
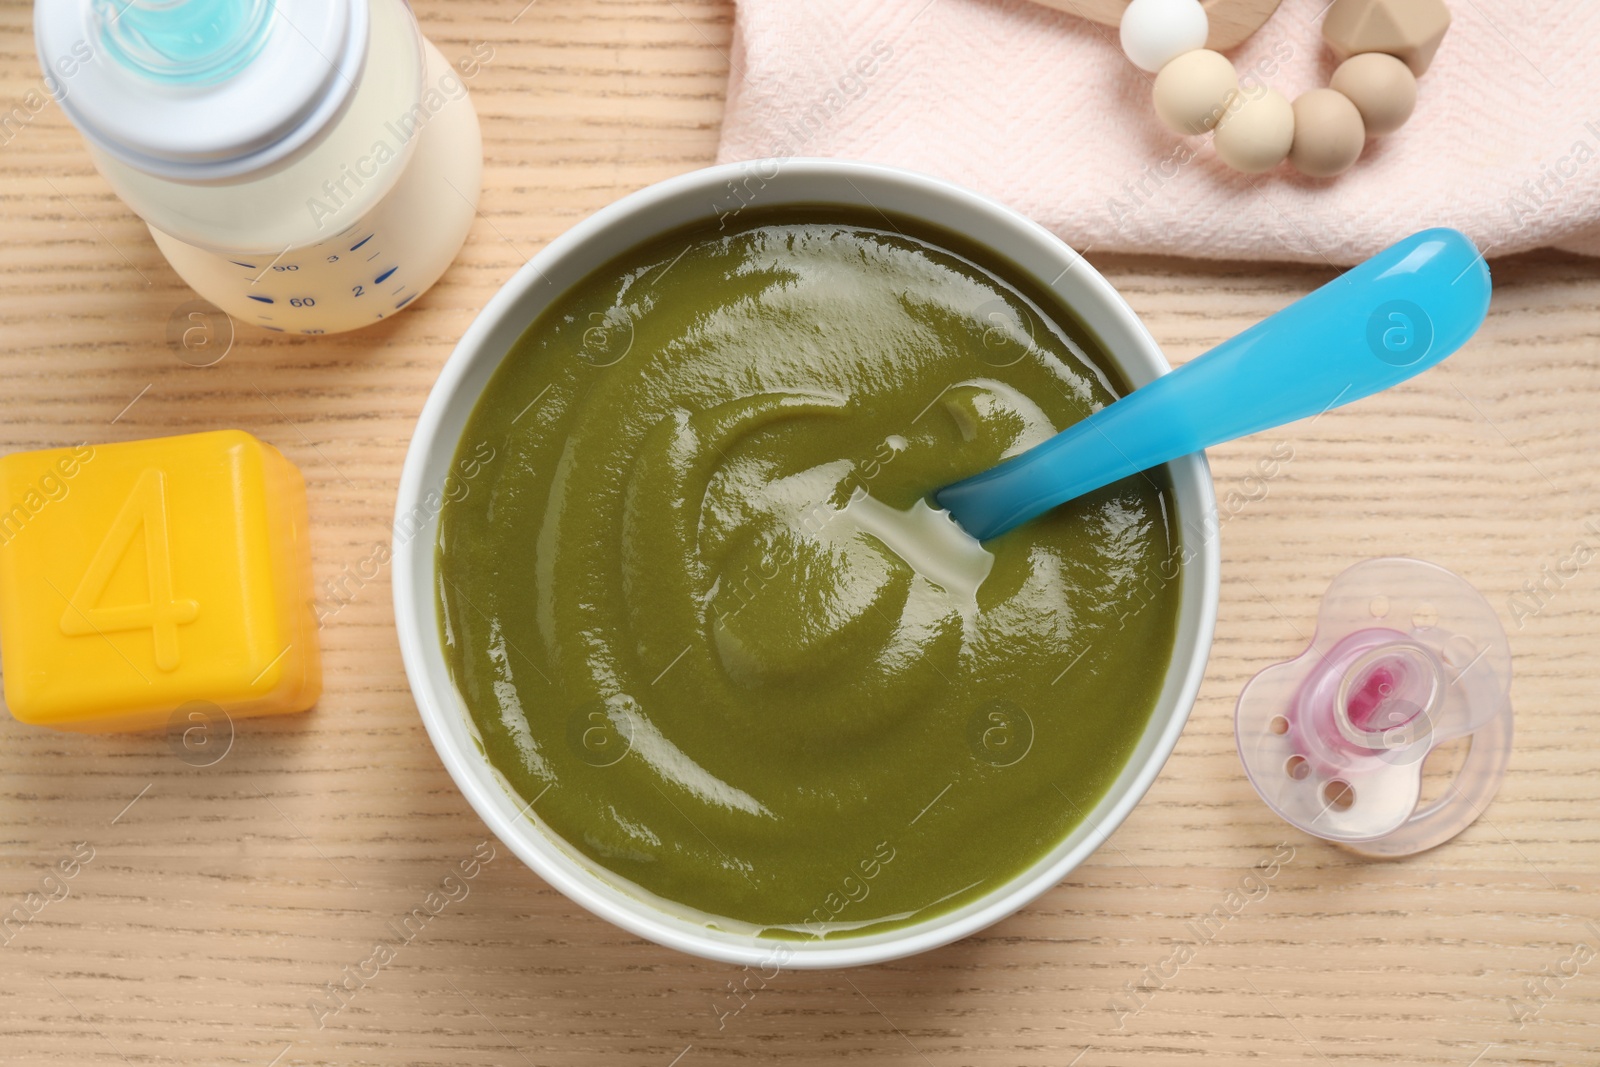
[137, 577]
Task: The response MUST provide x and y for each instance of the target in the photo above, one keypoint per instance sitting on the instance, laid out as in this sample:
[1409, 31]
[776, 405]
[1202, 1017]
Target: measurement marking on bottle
[263, 299]
[274, 329]
[380, 279]
[372, 257]
[269, 266]
[246, 266]
[363, 241]
[403, 303]
[398, 289]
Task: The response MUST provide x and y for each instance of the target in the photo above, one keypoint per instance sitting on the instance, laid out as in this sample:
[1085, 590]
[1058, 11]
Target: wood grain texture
[221, 901]
[1231, 20]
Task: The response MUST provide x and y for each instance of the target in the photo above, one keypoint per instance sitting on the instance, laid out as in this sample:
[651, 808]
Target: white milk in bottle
[309, 166]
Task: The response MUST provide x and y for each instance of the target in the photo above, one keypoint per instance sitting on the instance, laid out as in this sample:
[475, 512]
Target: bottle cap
[201, 89]
[1406, 657]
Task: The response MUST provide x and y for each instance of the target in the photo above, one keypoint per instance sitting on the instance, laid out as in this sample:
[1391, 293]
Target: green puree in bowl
[715, 686]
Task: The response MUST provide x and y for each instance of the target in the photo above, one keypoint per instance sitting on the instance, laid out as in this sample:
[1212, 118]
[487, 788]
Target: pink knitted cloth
[1040, 110]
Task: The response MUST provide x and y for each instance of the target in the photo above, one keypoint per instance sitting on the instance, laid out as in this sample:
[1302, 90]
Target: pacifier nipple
[1407, 656]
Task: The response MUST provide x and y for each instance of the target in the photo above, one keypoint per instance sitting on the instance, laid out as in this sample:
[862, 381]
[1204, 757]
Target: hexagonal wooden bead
[1409, 30]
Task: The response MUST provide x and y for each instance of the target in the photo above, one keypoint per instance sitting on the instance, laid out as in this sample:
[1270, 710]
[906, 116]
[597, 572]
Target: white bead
[1154, 32]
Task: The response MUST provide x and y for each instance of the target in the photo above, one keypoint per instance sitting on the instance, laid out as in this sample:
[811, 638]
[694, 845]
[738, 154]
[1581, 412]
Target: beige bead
[1328, 134]
[1194, 90]
[1381, 87]
[1409, 30]
[1256, 132]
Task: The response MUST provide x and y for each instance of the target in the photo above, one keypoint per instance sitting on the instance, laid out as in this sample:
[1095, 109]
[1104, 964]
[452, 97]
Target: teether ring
[1406, 657]
[1384, 46]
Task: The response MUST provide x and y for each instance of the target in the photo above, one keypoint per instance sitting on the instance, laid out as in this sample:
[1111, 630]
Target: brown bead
[1381, 87]
[1328, 133]
[1409, 30]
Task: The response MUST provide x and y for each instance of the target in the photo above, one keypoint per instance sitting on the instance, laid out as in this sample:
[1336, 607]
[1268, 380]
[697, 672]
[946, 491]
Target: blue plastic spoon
[1374, 326]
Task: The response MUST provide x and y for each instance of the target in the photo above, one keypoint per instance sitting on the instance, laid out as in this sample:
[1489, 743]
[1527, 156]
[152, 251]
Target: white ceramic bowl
[707, 195]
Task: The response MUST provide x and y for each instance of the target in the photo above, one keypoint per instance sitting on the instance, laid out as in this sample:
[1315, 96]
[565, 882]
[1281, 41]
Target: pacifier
[1406, 657]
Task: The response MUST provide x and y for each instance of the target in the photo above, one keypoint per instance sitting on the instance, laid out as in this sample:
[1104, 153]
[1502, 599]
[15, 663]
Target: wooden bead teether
[1384, 45]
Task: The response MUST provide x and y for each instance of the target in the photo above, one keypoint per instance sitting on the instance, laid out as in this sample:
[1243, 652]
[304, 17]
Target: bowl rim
[414, 579]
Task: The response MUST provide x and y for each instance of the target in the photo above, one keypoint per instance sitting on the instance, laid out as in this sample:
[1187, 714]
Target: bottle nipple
[1406, 657]
[185, 42]
[203, 90]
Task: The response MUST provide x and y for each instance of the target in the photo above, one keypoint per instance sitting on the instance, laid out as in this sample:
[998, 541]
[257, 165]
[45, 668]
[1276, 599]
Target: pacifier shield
[1406, 657]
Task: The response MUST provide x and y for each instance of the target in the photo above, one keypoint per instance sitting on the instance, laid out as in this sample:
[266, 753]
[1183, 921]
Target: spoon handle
[1374, 326]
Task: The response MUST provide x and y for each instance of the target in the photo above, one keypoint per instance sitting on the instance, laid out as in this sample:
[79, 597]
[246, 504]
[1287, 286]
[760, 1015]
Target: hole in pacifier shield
[596, 736]
[199, 333]
[1399, 333]
[1000, 733]
[200, 733]
[1339, 795]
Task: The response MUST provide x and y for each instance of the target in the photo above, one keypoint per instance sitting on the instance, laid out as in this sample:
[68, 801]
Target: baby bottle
[309, 166]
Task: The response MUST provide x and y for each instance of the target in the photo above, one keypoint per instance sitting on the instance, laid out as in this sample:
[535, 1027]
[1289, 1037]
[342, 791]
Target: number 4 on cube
[138, 577]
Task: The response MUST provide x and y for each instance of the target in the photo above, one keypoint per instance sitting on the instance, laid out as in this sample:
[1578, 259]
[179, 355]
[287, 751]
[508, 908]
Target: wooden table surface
[220, 901]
